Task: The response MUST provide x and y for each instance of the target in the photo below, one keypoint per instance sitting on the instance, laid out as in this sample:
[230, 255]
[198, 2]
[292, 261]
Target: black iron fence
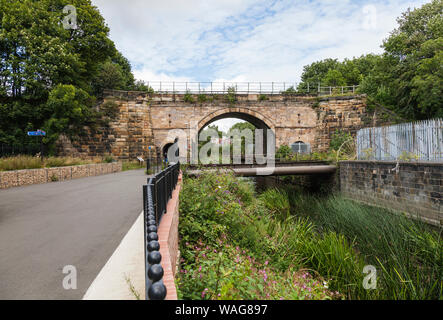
[155, 164]
[7, 150]
[156, 195]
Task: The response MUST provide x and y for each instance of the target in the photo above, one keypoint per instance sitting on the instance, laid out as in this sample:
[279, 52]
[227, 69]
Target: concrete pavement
[46, 227]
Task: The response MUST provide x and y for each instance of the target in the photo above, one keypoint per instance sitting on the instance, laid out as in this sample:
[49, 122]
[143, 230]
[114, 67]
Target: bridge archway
[257, 119]
[253, 117]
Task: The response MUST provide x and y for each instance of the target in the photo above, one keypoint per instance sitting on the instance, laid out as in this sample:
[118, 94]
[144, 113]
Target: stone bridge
[147, 120]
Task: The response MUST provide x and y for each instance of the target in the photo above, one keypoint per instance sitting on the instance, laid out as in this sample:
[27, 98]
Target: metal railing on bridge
[156, 195]
[246, 88]
[415, 141]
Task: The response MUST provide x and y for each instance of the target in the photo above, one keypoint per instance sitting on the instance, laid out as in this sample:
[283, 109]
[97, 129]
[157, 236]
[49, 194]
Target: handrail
[156, 195]
[270, 87]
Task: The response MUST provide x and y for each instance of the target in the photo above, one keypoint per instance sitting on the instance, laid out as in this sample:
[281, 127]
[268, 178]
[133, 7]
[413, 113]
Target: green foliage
[230, 239]
[231, 96]
[233, 249]
[68, 109]
[188, 97]
[263, 97]
[284, 152]
[131, 165]
[289, 91]
[406, 78]
[40, 59]
[108, 159]
[338, 139]
[140, 85]
[20, 162]
[28, 162]
[277, 202]
[407, 254]
[202, 98]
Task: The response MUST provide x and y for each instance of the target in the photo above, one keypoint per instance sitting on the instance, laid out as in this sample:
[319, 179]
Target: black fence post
[156, 194]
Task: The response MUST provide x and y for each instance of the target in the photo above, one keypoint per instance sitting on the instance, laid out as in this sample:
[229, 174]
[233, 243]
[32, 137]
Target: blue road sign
[37, 133]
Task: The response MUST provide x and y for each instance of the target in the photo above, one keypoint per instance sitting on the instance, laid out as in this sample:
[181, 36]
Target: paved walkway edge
[123, 276]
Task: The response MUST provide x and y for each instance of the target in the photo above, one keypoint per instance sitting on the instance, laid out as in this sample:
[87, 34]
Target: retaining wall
[18, 178]
[414, 188]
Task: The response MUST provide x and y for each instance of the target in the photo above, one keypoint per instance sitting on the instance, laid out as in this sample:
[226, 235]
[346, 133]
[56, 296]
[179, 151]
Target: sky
[245, 40]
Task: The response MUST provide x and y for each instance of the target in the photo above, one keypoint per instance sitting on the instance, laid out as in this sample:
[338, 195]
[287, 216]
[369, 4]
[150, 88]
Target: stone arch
[254, 117]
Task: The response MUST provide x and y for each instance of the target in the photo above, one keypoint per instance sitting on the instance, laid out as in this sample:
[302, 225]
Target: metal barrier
[415, 141]
[156, 195]
[155, 164]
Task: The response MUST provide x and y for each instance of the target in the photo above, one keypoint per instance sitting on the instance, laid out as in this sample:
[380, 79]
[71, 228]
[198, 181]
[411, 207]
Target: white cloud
[248, 40]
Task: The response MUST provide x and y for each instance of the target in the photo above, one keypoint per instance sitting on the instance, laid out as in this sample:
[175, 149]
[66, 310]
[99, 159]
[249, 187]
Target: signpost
[38, 133]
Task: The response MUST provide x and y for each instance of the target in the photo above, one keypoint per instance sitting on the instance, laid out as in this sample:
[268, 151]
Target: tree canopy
[407, 78]
[49, 75]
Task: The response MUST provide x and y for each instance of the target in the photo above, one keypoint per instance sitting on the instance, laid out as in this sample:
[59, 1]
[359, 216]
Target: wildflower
[200, 269]
[204, 292]
[215, 251]
[325, 284]
[266, 262]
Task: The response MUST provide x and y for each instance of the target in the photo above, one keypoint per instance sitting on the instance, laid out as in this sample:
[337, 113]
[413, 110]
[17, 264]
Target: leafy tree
[315, 73]
[44, 67]
[334, 78]
[68, 108]
[415, 48]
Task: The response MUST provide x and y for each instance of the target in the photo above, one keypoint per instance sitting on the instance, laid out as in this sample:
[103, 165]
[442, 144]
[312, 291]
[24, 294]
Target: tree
[68, 109]
[236, 132]
[415, 49]
[334, 78]
[315, 73]
[39, 59]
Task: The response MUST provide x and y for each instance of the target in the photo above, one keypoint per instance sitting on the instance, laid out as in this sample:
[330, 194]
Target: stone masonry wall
[18, 178]
[145, 120]
[413, 188]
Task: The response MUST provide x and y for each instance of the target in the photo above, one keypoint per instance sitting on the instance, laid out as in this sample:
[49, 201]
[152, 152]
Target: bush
[331, 237]
[338, 138]
[188, 97]
[20, 162]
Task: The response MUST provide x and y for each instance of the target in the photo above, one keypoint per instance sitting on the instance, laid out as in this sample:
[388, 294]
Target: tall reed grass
[29, 162]
[408, 254]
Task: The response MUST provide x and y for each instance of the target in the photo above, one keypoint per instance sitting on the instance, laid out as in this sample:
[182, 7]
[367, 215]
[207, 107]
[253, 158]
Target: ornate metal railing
[156, 195]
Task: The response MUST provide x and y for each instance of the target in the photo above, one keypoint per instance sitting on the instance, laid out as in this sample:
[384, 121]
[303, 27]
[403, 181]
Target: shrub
[188, 97]
[108, 159]
[263, 97]
[338, 138]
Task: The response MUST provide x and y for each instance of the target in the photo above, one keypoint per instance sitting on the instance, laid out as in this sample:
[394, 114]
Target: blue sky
[248, 40]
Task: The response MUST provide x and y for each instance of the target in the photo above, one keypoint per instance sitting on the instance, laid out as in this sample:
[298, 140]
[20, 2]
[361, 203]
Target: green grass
[29, 162]
[407, 254]
[132, 165]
